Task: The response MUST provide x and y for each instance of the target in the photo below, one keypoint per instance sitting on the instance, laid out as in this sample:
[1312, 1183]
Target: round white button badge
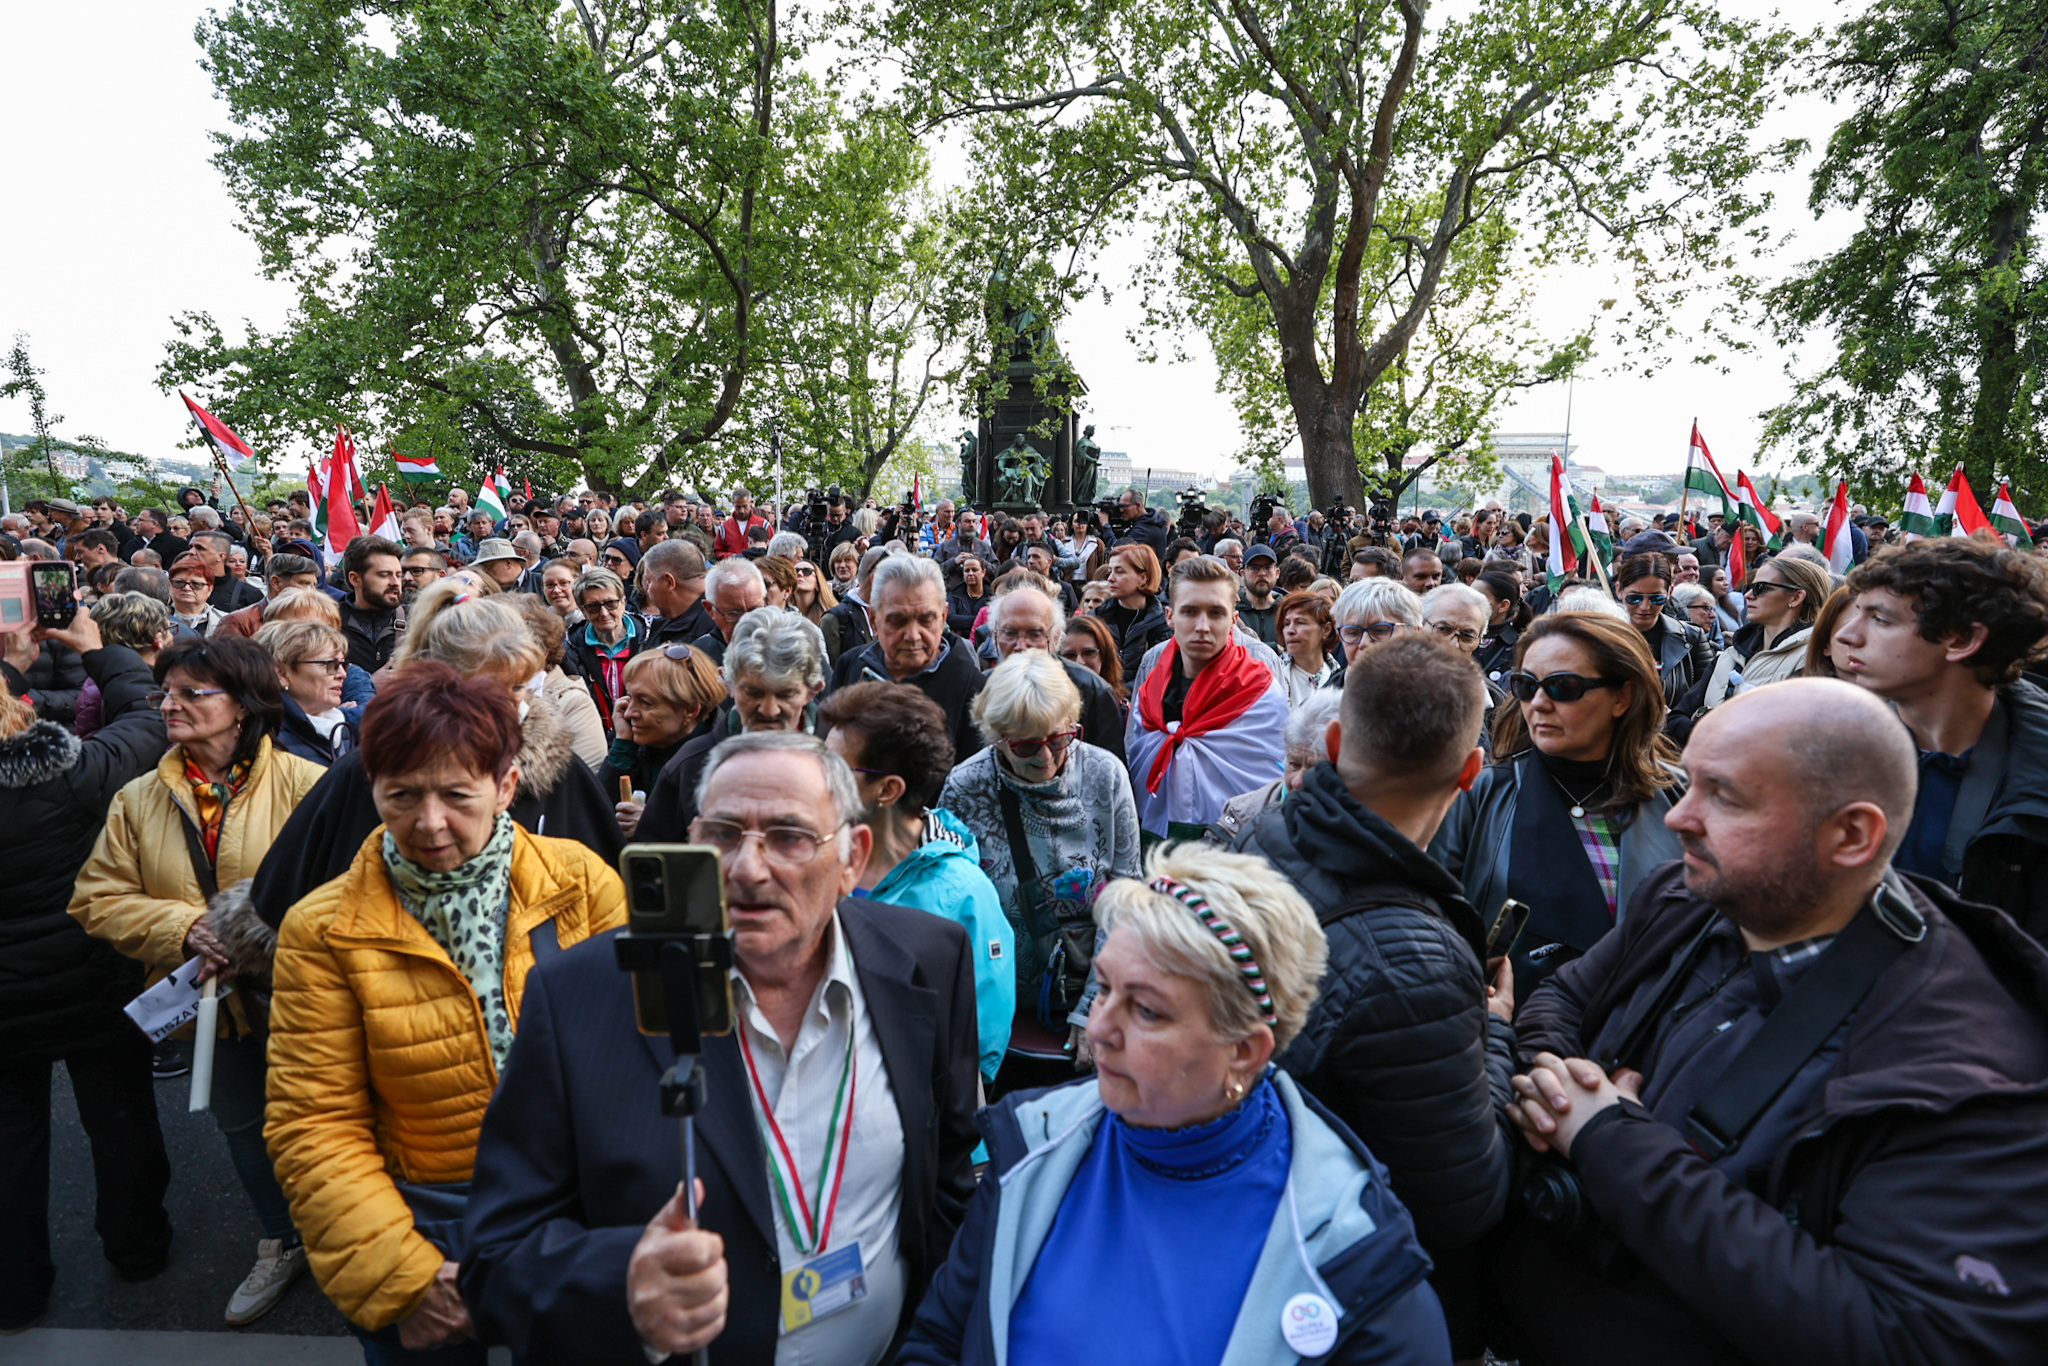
[1309, 1323]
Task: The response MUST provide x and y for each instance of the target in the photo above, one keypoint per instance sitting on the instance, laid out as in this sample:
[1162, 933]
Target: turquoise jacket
[1338, 1234]
[943, 875]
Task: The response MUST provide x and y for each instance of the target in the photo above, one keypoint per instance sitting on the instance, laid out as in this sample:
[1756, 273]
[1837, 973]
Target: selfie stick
[682, 1085]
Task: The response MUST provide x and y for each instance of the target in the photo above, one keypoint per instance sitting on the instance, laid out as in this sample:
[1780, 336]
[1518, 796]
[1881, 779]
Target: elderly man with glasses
[853, 1041]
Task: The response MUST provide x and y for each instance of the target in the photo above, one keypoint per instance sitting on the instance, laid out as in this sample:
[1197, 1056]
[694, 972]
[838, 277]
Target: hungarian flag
[416, 469]
[384, 519]
[1602, 534]
[2006, 519]
[1838, 543]
[917, 491]
[1703, 476]
[343, 484]
[1566, 544]
[1959, 514]
[1919, 519]
[230, 448]
[490, 496]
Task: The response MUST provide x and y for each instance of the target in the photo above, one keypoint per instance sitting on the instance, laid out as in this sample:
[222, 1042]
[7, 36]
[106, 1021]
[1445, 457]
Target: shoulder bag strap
[1020, 848]
[202, 866]
[1794, 1032]
[1379, 894]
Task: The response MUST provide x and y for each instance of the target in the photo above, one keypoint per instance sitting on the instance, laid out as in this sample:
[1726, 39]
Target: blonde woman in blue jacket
[1187, 1203]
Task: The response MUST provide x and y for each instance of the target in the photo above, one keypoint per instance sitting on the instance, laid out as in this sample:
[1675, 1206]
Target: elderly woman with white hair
[1188, 1202]
[774, 671]
[1054, 817]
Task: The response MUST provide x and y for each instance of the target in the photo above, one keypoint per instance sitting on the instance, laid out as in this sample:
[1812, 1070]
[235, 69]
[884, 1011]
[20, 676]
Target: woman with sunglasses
[174, 839]
[814, 596]
[610, 636]
[1569, 817]
[1684, 655]
[312, 663]
[1053, 817]
[669, 691]
[1785, 595]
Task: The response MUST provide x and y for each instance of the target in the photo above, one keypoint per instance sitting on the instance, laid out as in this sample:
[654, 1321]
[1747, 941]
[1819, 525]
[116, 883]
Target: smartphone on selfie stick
[678, 947]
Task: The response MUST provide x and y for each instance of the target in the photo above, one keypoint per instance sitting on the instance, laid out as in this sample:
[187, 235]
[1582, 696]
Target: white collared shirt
[801, 1088]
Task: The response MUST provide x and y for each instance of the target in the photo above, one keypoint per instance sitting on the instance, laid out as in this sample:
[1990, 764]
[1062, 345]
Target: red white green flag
[1703, 476]
[1959, 514]
[230, 448]
[1566, 543]
[1838, 544]
[1919, 519]
[384, 519]
[415, 469]
[490, 496]
[2006, 519]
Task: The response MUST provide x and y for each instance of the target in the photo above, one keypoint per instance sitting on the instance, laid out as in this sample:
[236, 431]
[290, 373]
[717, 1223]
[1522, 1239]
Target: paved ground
[213, 1244]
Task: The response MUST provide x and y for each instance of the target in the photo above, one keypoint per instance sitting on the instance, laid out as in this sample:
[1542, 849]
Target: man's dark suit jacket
[576, 1156]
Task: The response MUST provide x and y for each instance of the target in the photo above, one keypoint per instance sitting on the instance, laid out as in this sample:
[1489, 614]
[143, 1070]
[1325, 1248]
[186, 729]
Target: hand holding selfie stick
[674, 962]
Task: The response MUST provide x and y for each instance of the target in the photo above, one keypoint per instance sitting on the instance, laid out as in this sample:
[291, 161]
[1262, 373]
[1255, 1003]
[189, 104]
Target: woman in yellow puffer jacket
[203, 822]
[397, 991]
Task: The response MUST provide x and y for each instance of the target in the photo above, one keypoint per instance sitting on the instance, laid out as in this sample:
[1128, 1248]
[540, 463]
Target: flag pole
[1592, 551]
[1684, 480]
[248, 517]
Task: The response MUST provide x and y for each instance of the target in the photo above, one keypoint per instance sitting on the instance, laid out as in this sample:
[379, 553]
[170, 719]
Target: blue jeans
[239, 1069]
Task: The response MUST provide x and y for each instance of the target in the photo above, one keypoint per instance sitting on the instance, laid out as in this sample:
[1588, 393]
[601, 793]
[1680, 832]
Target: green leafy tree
[1938, 304]
[1330, 166]
[563, 238]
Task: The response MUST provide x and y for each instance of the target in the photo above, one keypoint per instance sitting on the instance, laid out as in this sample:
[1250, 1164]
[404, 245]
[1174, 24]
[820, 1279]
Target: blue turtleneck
[1155, 1244]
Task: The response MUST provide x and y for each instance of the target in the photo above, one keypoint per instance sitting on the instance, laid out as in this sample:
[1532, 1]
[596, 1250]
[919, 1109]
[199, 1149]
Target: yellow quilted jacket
[138, 891]
[380, 1067]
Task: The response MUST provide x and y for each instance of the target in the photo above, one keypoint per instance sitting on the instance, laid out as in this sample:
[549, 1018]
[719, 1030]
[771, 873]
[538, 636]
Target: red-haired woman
[1134, 613]
[398, 988]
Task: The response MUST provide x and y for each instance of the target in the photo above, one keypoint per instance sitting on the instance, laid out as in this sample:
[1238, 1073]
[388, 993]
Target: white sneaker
[276, 1268]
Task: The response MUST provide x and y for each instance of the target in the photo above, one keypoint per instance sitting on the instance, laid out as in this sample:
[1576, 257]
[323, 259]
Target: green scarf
[464, 909]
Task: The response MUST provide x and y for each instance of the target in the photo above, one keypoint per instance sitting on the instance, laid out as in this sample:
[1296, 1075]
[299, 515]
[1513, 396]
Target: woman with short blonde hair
[669, 691]
[312, 662]
[1192, 1147]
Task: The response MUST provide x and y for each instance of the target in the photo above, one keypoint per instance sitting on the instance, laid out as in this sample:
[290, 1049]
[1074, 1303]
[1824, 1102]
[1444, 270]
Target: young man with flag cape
[1210, 718]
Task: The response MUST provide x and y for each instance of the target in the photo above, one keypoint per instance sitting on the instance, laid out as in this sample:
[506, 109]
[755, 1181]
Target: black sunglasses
[1654, 599]
[1556, 687]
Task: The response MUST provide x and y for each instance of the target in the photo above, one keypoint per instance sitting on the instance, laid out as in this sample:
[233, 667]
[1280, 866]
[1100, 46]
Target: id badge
[823, 1286]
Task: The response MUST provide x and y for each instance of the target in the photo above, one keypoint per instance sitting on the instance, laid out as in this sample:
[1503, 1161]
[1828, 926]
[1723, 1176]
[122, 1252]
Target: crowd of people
[1167, 942]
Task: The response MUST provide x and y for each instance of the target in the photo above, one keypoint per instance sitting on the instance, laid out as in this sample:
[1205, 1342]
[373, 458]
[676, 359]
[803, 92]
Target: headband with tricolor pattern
[1233, 942]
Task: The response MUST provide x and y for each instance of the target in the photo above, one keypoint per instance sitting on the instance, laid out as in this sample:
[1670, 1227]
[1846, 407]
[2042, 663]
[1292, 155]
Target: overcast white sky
[117, 221]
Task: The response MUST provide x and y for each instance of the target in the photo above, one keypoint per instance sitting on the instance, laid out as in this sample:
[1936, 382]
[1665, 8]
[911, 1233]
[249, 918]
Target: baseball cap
[1260, 552]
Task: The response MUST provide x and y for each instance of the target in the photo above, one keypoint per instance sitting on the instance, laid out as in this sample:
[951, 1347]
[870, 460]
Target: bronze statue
[1025, 470]
[1087, 460]
[969, 448]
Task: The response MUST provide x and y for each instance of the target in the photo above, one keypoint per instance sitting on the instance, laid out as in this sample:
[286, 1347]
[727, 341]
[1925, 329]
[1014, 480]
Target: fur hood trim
[250, 942]
[546, 749]
[44, 751]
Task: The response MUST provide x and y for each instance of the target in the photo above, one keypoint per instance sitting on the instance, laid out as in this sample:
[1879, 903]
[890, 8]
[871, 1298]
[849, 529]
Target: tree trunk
[1990, 448]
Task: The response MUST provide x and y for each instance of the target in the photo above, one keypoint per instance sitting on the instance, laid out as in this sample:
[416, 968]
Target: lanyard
[836, 1135]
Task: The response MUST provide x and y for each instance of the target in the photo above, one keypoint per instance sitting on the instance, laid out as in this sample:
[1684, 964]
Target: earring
[1234, 1092]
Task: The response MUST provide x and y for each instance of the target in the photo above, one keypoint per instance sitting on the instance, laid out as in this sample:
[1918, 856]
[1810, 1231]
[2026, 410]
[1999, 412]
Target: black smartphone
[1507, 928]
[677, 891]
[56, 588]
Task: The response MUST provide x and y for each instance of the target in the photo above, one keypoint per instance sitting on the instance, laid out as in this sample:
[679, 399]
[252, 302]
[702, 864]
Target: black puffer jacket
[1399, 1043]
[52, 682]
[61, 989]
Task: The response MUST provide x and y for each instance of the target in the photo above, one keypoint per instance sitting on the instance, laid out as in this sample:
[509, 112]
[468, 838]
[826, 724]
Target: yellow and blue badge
[822, 1286]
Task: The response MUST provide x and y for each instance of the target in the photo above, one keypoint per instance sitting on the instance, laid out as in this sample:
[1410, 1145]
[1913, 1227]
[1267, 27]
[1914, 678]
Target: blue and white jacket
[1338, 1233]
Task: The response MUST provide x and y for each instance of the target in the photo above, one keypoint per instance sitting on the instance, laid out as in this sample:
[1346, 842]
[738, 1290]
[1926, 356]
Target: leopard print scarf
[464, 909]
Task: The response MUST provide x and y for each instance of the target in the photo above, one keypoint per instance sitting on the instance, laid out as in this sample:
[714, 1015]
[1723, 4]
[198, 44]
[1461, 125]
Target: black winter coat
[1399, 1043]
[558, 796]
[60, 989]
[52, 682]
[1151, 528]
[1902, 1225]
[953, 685]
[1136, 630]
[2005, 859]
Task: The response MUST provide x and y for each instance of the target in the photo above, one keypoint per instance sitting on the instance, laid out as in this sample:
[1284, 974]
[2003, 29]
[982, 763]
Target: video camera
[1193, 509]
[1263, 508]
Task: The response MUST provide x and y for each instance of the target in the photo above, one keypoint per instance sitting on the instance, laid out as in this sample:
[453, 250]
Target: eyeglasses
[192, 585]
[615, 558]
[1011, 635]
[675, 651]
[184, 697]
[1378, 630]
[1463, 637]
[601, 605]
[1757, 586]
[871, 772]
[790, 846]
[326, 666]
[414, 571]
[1058, 744]
[1556, 687]
[804, 571]
[1654, 599]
